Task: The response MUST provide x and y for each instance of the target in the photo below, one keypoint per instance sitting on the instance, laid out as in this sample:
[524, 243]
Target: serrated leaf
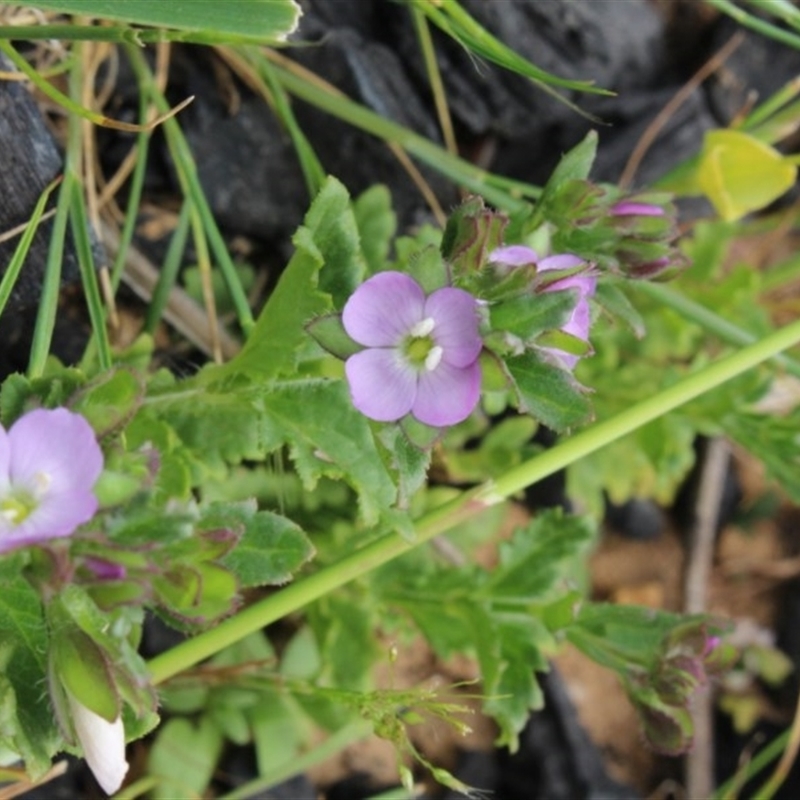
[548, 393]
[111, 400]
[531, 564]
[344, 629]
[329, 238]
[13, 395]
[30, 729]
[515, 691]
[377, 224]
[529, 314]
[613, 300]
[327, 436]
[574, 165]
[272, 549]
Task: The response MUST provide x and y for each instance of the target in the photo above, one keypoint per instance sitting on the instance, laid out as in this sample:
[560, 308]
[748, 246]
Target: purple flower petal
[456, 331]
[447, 395]
[559, 261]
[513, 255]
[56, 446]
[632, 209]
[382, 387]
[383, 309]
[580, 321]
[585, 284]
[5, 459]
[52, 463]
[569, 360]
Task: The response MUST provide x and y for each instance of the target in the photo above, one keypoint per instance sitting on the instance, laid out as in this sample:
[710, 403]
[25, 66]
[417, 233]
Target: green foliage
[262, 20]
[499, 614]
[547, 392]
[28, 726]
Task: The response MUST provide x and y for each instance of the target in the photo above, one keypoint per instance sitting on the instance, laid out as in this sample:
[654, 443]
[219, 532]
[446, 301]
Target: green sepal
[329, 333]
[82, 668]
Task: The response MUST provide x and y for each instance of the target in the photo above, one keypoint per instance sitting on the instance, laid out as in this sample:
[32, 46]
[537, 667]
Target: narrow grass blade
[18, 259]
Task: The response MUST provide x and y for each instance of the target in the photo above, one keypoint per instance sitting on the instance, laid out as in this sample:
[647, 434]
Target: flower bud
[103, 744]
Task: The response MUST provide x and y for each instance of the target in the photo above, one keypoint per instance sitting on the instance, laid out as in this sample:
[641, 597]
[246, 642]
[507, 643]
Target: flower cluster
[421, 352]
[49, 463]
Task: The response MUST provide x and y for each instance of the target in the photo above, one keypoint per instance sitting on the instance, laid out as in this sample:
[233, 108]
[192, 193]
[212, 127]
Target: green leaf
[327, 436]
[329, 333]
[513, 691]
[610, 297]
[532, 563]
[344, 628]
[272, 549]
[574, 165]
[28, 725]
[329, 238]
[111, 400]
[527, 315]
[548, 393]
[262, 19]
[377, 224]
[184, 757]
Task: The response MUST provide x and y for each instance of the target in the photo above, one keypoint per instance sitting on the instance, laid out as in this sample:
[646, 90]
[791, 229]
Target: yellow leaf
[740, 174]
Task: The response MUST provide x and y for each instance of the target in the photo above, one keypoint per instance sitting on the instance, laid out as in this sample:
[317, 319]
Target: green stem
[48, 301]
[134, 196]
[708, 319]
[91, 291]
[435, 156]
[752, 767]
[748, 20]
[466, 506]
[168, 274]
[51, 286]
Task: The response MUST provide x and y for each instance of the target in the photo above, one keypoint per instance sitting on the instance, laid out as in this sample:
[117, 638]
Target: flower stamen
[423, 328]
[433, 358]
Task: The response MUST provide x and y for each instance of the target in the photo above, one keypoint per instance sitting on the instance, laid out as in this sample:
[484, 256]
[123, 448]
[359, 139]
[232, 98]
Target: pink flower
[579, 321]
[421, 353]
[49, 463]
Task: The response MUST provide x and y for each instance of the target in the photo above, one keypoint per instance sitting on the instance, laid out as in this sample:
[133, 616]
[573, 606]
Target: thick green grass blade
[268, 20]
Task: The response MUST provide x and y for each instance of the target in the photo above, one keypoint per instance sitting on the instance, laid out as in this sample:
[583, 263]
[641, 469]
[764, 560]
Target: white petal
[103, 745]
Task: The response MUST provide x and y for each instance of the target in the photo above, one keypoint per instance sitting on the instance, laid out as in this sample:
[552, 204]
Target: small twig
[653, 130]
[699, 772]
[25, 785]
[788, 757]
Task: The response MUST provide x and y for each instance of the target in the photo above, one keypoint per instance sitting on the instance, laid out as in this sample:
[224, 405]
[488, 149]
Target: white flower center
[20, 501]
